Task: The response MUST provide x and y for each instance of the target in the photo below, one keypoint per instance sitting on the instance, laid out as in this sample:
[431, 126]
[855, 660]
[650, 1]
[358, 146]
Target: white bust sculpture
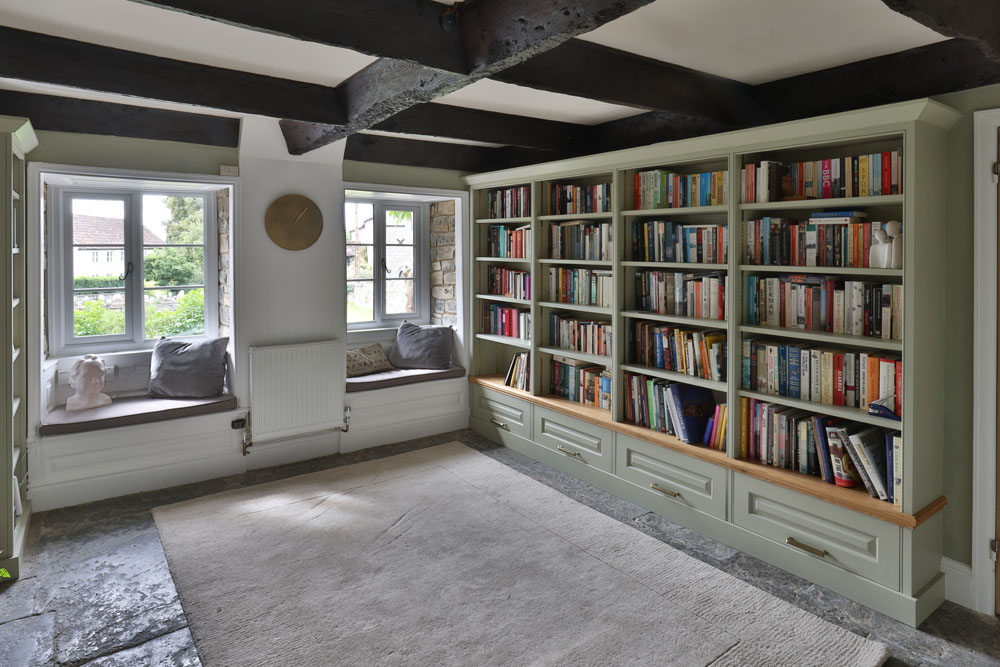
[887, 250]
[87, 380]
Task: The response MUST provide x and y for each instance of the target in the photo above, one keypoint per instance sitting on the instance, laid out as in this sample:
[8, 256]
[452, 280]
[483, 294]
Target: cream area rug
[443, 556]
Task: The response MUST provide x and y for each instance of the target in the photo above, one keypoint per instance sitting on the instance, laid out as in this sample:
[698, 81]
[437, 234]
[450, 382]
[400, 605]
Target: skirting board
[419, 428]
[959, 586]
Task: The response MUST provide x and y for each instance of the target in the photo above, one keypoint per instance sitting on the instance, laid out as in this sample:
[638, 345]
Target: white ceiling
[755, 41]
[491, 95]
[751, 41]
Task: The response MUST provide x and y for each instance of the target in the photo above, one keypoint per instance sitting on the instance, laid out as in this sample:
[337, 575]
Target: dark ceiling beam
[925, 71]
[445, 120]
[440, 155]
[33, 56]
[978, 22]
[496, 34]
[596, 72]
[408, 30]
[652, 127]
[67, 114]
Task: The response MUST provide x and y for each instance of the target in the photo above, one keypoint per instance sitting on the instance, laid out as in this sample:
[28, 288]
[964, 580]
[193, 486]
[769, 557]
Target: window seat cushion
[400, 376]
[132, 411]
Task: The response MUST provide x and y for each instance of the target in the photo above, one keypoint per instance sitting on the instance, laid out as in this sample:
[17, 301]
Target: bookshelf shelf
[674, 319]
[667, 212]
[714, 385]
[825, 270]
[506, 260]
[917, 133]
[16, 139]
[823, 337]
[819, 204]
[851, 414]
[503, 299]
[506, 340]
[596, 310]
[576, 216]
[579, 356]
[682, 266]
[504, 221]
[598, 263]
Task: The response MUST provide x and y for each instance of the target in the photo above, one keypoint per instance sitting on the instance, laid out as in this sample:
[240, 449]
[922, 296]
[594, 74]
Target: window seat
[131, 411]
[401, 376]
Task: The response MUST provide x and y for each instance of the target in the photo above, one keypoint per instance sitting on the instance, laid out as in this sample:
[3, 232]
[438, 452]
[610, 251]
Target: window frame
[62, 341]
[421, 262]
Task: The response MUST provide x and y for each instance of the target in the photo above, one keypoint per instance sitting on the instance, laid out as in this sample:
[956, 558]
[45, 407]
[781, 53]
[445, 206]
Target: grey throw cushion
[421, 347]
[182, 369]
[367, 360]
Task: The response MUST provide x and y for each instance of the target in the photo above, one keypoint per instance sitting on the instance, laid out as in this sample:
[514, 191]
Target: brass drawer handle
[499, 423]
[805, 547]
[667, 492]
[568, 452]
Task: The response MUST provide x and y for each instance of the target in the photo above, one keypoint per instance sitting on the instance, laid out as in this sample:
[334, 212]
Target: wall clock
[293, 222]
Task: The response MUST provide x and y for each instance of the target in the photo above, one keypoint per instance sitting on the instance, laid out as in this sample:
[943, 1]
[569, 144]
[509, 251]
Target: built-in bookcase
[688, 222]
[16, 138]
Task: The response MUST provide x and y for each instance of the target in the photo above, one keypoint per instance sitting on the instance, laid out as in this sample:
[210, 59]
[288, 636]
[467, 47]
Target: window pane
[98, 222]
[360, 301]
[399, 261]
[359, 261]
[174, 312]
[358, 222]
[399, 227]
[169, 219]
[173, 266]
[93, 269]
[98, 313]
[398, 297]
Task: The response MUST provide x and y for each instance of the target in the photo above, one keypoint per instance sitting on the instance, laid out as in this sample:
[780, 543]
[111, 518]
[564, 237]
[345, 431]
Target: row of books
[841, 452]
[502, 241]
[512, 283]
[866, 175]
[682, 410]
[689, 351]
[826, 303]
[581, 240]
[519, 373]
[585, 287]
[580, 382]
[565, 199]
[507, 321]
[687, 294]
[573, 334]
[824, 375]
[663, 241]
[834, 239]
[512, 202]
[658, 188]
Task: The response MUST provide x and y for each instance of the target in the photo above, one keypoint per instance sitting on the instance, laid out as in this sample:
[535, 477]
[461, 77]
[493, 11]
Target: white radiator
[296, 389]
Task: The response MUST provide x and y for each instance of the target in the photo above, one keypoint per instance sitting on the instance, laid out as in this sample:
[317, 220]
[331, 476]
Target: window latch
[385, 267]
[128, 272]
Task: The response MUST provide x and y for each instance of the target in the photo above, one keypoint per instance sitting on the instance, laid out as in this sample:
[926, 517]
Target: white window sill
[369, 336]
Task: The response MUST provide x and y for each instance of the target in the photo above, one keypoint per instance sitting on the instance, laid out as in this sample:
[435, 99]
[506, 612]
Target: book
[844, 472]
[870, 447]
[693, 407]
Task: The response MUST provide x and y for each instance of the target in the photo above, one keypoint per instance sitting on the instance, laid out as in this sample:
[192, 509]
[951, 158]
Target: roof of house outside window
[90, 230]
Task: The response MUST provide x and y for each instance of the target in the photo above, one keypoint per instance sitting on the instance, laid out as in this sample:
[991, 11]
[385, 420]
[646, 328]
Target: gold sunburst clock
[293, 222]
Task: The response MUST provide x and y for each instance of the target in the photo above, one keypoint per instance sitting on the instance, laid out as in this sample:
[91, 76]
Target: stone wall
[225, 263]
[444, 307]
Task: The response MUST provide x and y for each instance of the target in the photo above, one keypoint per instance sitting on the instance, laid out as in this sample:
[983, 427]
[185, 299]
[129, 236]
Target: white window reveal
[387, 264]
[136, 259]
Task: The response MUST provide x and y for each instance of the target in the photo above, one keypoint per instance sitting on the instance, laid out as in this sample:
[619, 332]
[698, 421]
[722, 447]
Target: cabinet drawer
[671, 475]
[574, 438]
[505, 412]
[854, 542]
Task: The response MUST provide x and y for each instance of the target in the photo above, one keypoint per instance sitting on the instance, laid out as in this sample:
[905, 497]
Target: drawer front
[854, 542]
[671, 475]
[505, 413]
[574, 438]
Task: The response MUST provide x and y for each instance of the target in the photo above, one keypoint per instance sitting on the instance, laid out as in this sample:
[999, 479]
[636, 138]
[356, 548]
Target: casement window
[387, 263]
[128, 263]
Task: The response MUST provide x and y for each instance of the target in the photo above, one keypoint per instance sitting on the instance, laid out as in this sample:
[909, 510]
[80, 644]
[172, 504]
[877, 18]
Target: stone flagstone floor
[95, 588]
